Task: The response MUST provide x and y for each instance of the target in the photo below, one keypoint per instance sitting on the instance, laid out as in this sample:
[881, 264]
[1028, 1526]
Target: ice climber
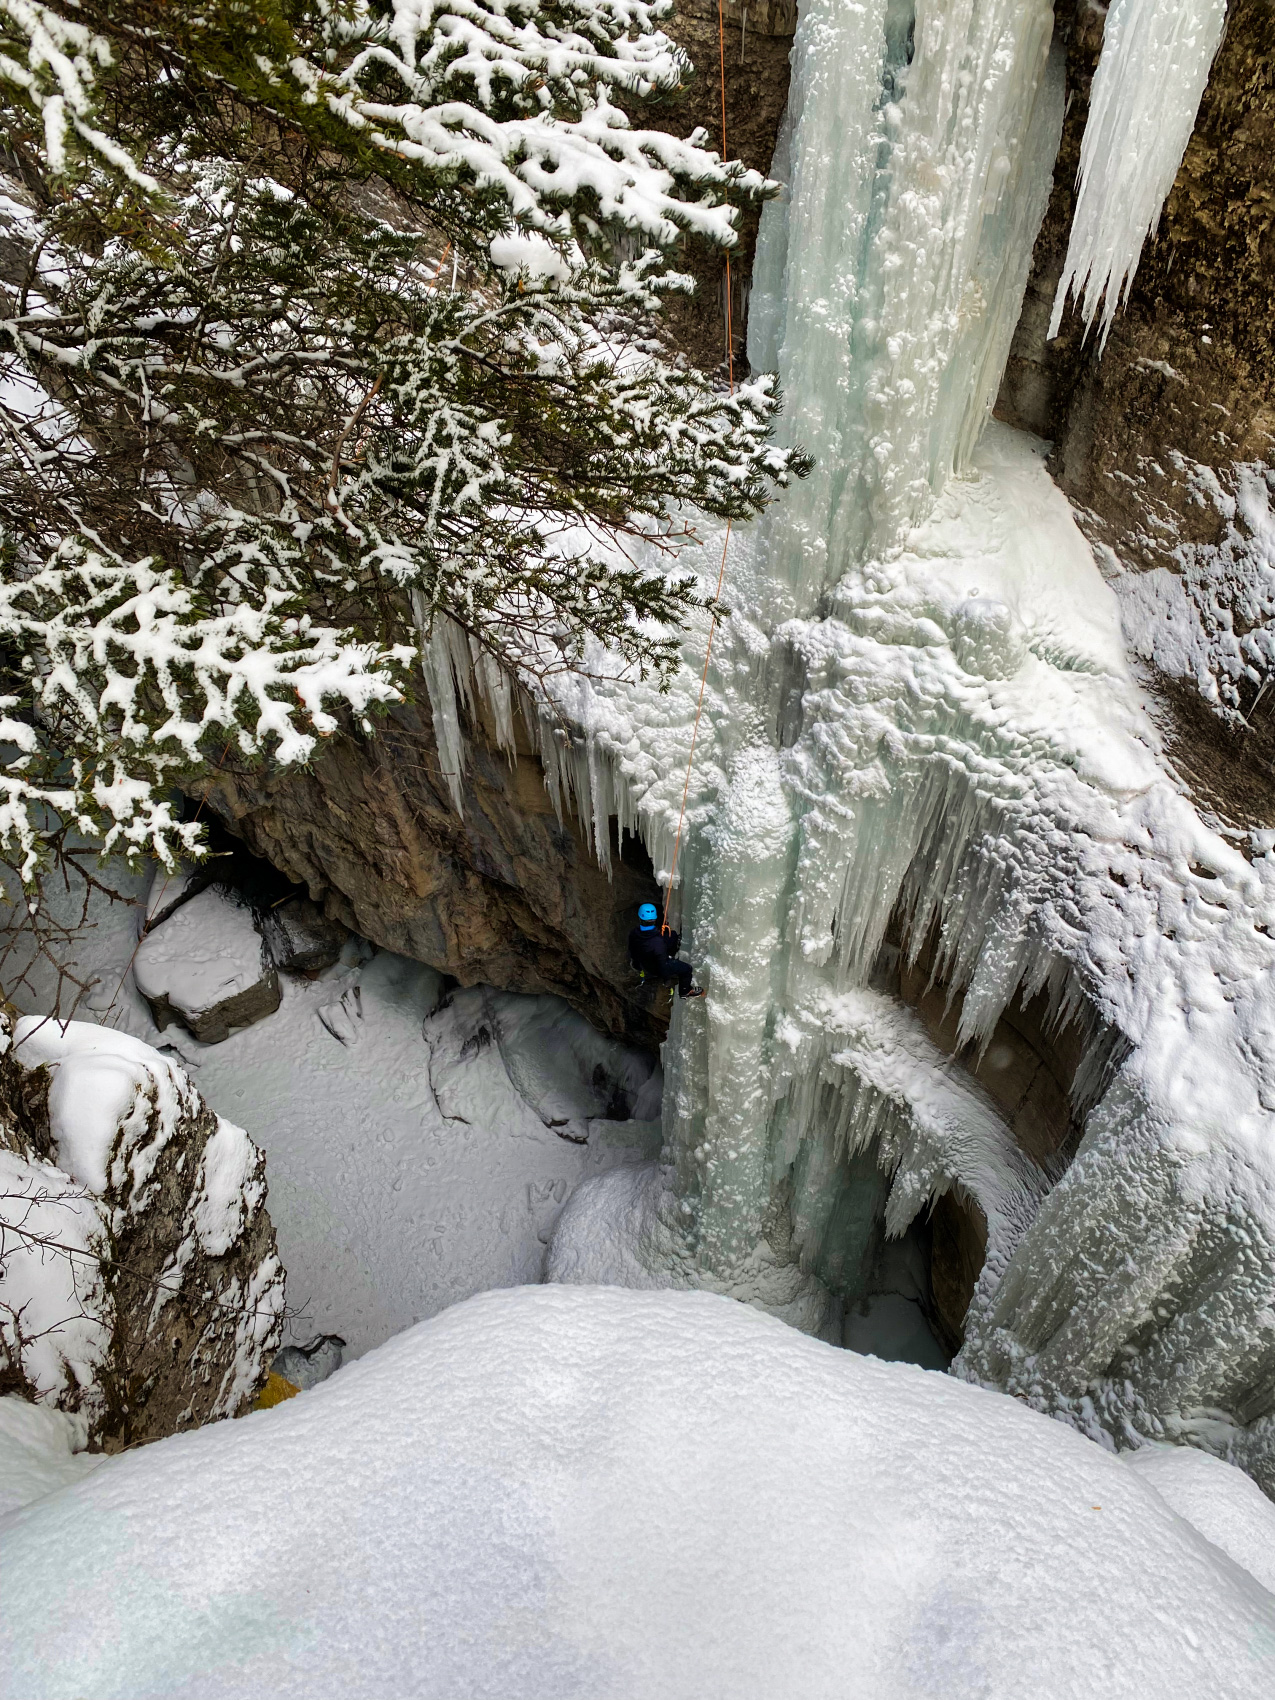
[653, 950]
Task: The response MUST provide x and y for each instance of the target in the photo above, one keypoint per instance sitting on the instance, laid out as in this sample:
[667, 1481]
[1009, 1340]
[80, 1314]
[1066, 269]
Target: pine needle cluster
[322, 320]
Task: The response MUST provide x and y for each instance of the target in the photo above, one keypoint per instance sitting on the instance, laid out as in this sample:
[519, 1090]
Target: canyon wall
[503, 894]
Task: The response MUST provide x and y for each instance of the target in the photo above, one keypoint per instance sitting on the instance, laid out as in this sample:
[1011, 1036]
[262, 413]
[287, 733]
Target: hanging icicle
[1156, 57]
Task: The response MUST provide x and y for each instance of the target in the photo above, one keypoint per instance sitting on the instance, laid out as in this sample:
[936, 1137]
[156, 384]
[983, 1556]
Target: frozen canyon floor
[576, 1491]
[406, 1170]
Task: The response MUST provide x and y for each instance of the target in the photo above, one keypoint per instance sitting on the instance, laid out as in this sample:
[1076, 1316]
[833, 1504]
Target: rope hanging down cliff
[721, 572]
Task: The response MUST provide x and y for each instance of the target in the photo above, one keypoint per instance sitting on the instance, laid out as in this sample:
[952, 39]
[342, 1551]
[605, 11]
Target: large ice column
[922, 146]
[974, 140]
[1155, 62]
[812, 257]
[722, 1156]
[891, 274]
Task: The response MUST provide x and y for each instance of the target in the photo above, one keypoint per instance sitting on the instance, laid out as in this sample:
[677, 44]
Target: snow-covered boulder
[141, 1285]
[206, 966]
[627, 1496]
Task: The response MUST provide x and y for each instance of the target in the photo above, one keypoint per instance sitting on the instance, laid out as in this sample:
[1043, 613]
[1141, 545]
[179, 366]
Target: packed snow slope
[1216, 1499]
[556, 1492]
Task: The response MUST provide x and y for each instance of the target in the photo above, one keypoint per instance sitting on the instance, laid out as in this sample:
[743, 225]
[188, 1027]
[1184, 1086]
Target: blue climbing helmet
[648, 914]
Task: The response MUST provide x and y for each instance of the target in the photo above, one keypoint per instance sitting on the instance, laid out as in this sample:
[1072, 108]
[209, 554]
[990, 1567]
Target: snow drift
[564, 1492]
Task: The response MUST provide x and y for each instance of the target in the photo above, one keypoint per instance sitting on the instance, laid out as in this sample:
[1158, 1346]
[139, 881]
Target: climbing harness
[721, 572]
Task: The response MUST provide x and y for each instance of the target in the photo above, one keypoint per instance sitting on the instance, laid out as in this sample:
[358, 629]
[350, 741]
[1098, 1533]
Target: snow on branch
[543, 51]
[53, 60]
[512, 95]
[135, 674]
[509, 98]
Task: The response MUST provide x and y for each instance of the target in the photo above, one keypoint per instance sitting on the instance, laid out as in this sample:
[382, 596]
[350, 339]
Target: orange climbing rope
[721, 574]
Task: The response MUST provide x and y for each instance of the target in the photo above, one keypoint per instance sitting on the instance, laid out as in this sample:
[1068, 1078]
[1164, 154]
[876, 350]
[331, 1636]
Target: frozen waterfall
[976, 967]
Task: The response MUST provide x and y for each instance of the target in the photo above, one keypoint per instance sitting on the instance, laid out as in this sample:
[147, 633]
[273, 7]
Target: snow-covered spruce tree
[322, 320]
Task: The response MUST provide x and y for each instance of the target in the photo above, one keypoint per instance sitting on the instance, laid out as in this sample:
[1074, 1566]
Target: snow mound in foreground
[560, 1492]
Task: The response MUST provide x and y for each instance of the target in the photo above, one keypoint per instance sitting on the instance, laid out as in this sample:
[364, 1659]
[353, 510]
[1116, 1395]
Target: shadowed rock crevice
[1041, 1070]
[503, 894]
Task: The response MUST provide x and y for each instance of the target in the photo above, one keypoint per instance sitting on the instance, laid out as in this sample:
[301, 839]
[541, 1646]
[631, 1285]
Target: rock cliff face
[503, 894]
[141, 1284]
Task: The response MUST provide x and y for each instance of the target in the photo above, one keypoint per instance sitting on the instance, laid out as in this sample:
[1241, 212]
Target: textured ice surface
[1154, 65]
[920, 708]
[1022, 811]
[905, 761]
[891, 275]
[556, 1492]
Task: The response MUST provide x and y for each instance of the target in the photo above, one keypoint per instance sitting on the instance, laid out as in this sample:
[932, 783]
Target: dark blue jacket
[650, 947]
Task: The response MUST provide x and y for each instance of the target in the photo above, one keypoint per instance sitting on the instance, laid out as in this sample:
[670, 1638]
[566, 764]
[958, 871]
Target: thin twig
[349, 425]
[155, 1281]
